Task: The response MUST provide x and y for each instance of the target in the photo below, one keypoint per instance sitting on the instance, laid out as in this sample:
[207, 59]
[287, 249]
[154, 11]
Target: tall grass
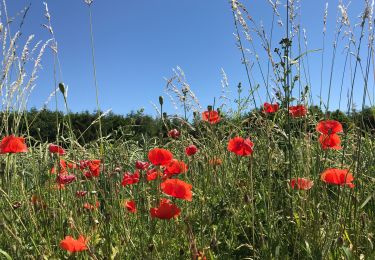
[242, 207]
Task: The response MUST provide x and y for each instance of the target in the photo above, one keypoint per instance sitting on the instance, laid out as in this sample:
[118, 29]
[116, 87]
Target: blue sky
[138, 43]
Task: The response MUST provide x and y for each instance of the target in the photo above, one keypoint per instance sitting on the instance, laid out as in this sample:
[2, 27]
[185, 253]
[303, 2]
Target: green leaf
[7, 256]
[366, 201]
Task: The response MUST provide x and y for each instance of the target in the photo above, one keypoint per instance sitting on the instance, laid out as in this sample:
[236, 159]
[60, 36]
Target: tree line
[45, 125]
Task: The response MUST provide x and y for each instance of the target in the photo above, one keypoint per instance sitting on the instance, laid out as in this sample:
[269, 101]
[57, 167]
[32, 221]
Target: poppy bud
[174, 133]
[165, 115]
[141, 165]
[161, 100]
[191, 150]
[62, 88]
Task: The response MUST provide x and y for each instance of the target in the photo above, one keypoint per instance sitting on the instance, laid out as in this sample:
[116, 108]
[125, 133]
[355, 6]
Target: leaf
[366, 201]
[5, 254]
[306, 52]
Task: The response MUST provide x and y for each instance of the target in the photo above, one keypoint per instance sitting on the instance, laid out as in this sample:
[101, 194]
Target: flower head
[53, 148]
[240, 146]
[159, 156]
[174, 133]
[211, 117]
[12, 144]
[175, 167]
[329, 127]
[65, 179]
[330, 141]
[141, 165]
[191, 150]
[74, 245]
[270, 108]
[130, 178]
[130, 206]
[298, 111]
[165, 210]
[301, 184]
[337, 177]
[177, 188]
[93, 167]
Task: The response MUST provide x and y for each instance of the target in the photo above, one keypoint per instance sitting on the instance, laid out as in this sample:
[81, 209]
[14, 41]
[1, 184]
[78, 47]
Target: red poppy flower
[12, 144]
[301, 184]
[166, 210]
[81, 193]
[240, 146]
[159, 156]
[63, 167]
[65, 179]
[130, 178]
[298, 111]
[174, 133]
[152, 174]
[130, 206]
[93, 168]
[74, 245]
[56, 149]
[330, 142]
[337, 177]
[270, 108]
[211, 117]
[177, 188]
[89, 206]
[329, 127]
[175, 167]
[215, 161]
[191, 150]
[141, 165]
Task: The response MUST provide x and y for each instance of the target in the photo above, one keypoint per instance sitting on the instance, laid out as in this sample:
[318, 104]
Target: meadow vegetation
[274, 177]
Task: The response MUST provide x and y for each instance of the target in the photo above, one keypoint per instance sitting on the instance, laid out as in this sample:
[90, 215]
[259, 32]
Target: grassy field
[276, 182]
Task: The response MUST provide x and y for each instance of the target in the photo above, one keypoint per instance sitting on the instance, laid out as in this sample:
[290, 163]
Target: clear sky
[137, 43]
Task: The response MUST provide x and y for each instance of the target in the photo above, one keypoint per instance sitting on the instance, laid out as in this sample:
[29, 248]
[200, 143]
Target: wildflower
[270, 108]
[81, 193]
[56, 149]
[159, 156]
[174, 133]
[175, 167]
[330, 141]
[93, 168]
[177, 188]
[65, 179]
[74, 245]
[240, 146]
[141, 165]
[130, 178]
[130, 206]
[191, 150]
[12, 144]
[338, 177]
[89, 206]
[166, 210]
[215, 162]
[211, 117]
[301, 184]
[152, 174]
[298, 111]
[329, 127]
